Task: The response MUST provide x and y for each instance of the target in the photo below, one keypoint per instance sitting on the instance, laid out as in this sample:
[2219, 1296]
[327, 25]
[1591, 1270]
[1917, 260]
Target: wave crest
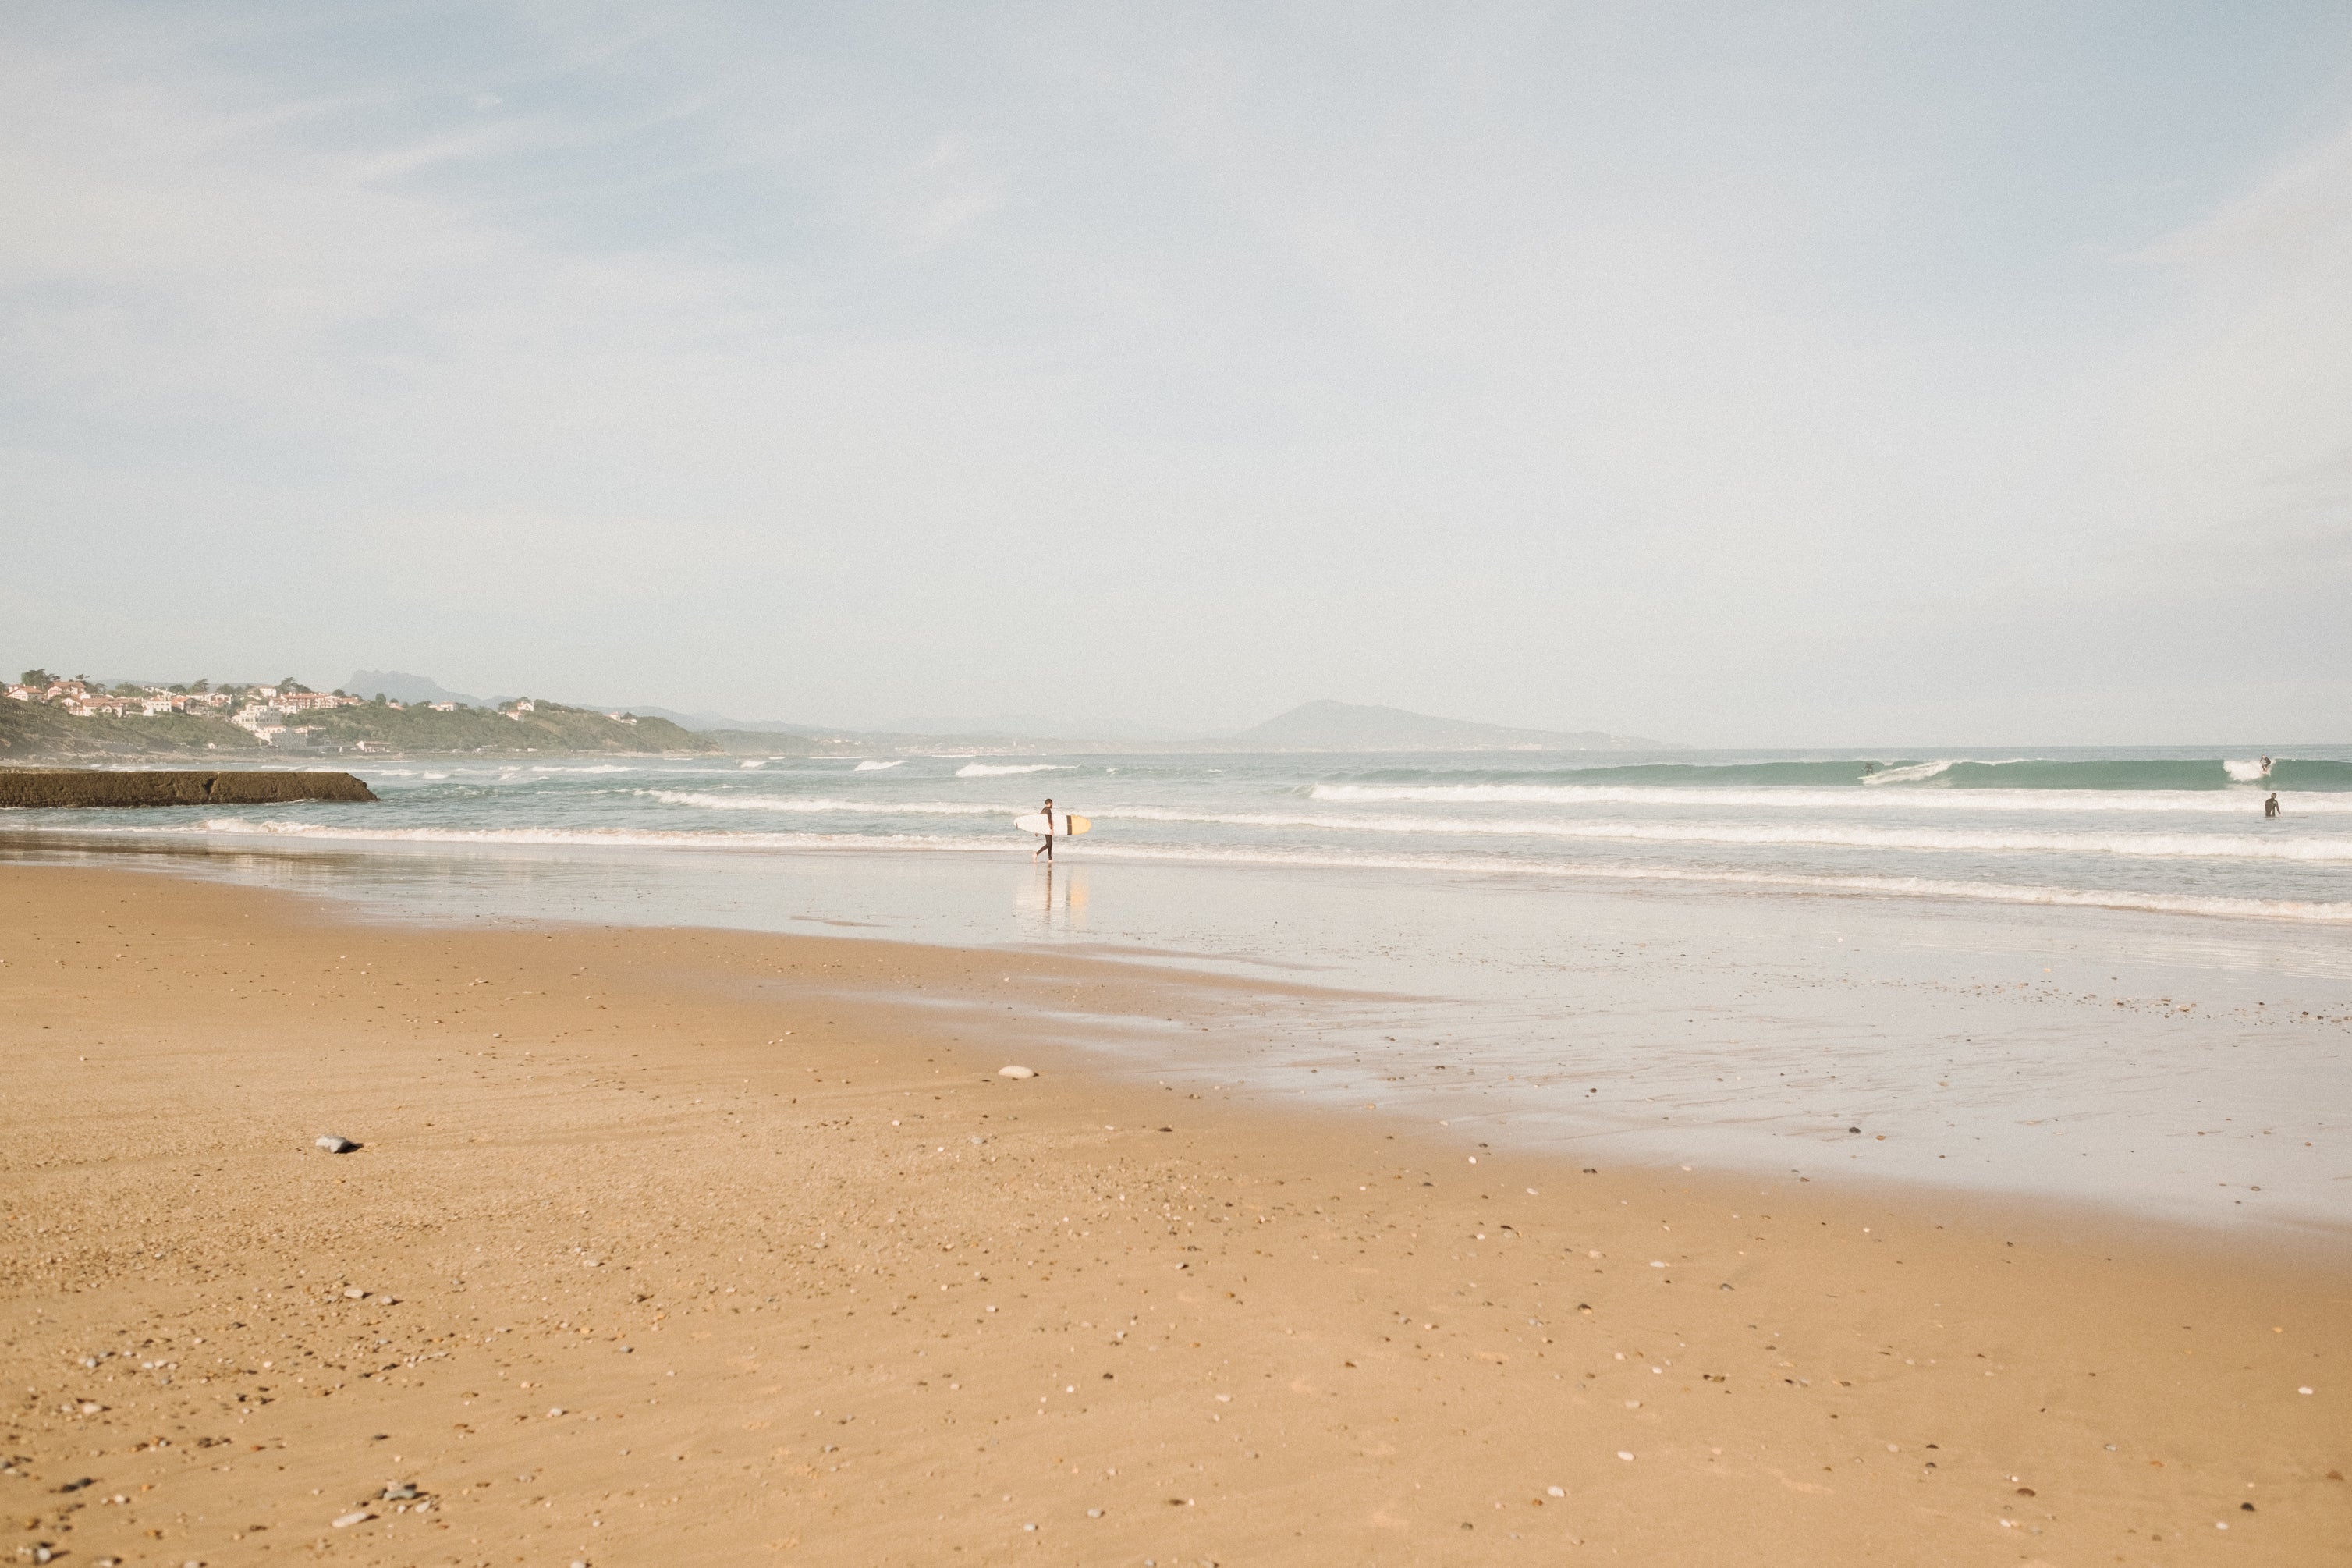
[823, 804]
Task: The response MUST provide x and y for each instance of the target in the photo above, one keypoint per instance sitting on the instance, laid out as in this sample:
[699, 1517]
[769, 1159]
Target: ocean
[2098, 973]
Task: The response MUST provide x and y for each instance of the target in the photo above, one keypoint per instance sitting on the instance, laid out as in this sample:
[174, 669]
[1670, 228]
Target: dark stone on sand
[76, 787]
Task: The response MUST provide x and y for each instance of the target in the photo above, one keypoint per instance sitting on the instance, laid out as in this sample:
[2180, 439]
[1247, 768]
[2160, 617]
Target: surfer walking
[1046, 848]
[2271, 807]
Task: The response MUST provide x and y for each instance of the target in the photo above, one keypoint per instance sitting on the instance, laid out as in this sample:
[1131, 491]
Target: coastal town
[45, 714]
[272, 714]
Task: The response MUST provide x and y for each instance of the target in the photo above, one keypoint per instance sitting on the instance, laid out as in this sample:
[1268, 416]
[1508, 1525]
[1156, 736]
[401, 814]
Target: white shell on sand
[1016, 1072]
[334, 1145]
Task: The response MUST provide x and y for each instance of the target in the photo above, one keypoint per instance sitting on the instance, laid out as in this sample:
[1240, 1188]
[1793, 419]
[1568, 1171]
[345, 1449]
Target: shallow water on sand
[2172, 1065]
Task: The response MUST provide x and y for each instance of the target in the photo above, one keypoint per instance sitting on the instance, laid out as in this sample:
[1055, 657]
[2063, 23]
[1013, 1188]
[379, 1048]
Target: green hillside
[29, 730]
[552, 728]
[34, 730]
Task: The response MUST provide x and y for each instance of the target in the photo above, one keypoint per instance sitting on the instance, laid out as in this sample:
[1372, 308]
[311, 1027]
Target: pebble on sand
[1016, 1072]
[357, 1515]
[334, 1145]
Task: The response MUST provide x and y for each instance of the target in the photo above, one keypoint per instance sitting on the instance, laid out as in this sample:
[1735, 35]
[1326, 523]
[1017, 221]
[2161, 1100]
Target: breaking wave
[1920, 774]
[2218, 802]
[991, 770]
[870, 766]
[821, 804]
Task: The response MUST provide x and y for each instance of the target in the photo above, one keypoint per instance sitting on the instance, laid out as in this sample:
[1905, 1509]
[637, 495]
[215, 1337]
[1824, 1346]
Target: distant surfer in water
[2267, 767]
[1046, 848]
[2271, 807]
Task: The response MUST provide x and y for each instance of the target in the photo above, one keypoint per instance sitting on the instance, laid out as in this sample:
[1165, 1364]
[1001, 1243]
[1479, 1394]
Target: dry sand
[669, 1247]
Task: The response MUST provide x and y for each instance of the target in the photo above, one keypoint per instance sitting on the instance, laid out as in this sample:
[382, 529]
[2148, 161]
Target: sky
[1735, 374]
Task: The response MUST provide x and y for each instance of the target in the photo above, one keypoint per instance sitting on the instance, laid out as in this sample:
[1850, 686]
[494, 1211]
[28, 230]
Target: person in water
[2271, 807]
[1046, 848]
[2267, 767]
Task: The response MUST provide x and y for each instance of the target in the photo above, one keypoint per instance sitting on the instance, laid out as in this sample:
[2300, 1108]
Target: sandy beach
[670, 1245]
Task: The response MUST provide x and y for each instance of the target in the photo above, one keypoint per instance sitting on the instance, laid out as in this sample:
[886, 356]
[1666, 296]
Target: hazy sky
[1754, 374]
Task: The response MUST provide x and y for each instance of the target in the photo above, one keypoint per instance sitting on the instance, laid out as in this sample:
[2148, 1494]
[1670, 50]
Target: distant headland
[388, 711]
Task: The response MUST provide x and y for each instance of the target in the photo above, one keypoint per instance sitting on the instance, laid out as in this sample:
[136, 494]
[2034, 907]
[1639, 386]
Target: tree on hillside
[36, 678]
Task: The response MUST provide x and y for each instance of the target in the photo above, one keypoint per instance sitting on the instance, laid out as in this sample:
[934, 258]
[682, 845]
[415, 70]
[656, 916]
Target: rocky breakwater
[70, 786]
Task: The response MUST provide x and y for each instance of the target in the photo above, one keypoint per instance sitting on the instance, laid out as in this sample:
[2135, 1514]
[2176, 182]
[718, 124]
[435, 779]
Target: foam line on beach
[2165, 846]
[2308, 910]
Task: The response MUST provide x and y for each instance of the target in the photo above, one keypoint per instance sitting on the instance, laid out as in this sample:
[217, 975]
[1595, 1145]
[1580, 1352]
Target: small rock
[357, 1515]
[1555, 1492]
[334, 1145]
[354, 1294]
[1016, 1072]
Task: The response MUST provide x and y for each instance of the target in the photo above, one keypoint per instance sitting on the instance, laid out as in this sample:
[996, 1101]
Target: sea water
[2104, 975]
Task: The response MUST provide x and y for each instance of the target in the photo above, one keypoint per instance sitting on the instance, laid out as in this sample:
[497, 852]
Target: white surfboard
[1064, 825]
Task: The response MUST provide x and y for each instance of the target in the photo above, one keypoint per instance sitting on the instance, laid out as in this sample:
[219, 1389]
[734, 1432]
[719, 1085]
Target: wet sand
[672, 1246]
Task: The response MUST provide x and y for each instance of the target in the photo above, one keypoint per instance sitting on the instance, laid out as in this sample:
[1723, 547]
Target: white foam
[2245, 772]
[1800, 798]
[990, 770]
[1899, 887]
[755, 763]
[909, 843]
[870, 766]
[2334, 847]
[822, 803]
[593, 838]
[1885, 887]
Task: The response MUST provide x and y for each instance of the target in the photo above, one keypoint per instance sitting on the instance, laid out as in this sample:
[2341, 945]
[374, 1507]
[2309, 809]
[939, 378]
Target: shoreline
[1405, 1371]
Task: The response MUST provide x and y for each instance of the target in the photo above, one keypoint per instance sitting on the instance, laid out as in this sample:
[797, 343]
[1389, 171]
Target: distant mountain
[402, 688]
[1027, 726]
[1328, 726]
